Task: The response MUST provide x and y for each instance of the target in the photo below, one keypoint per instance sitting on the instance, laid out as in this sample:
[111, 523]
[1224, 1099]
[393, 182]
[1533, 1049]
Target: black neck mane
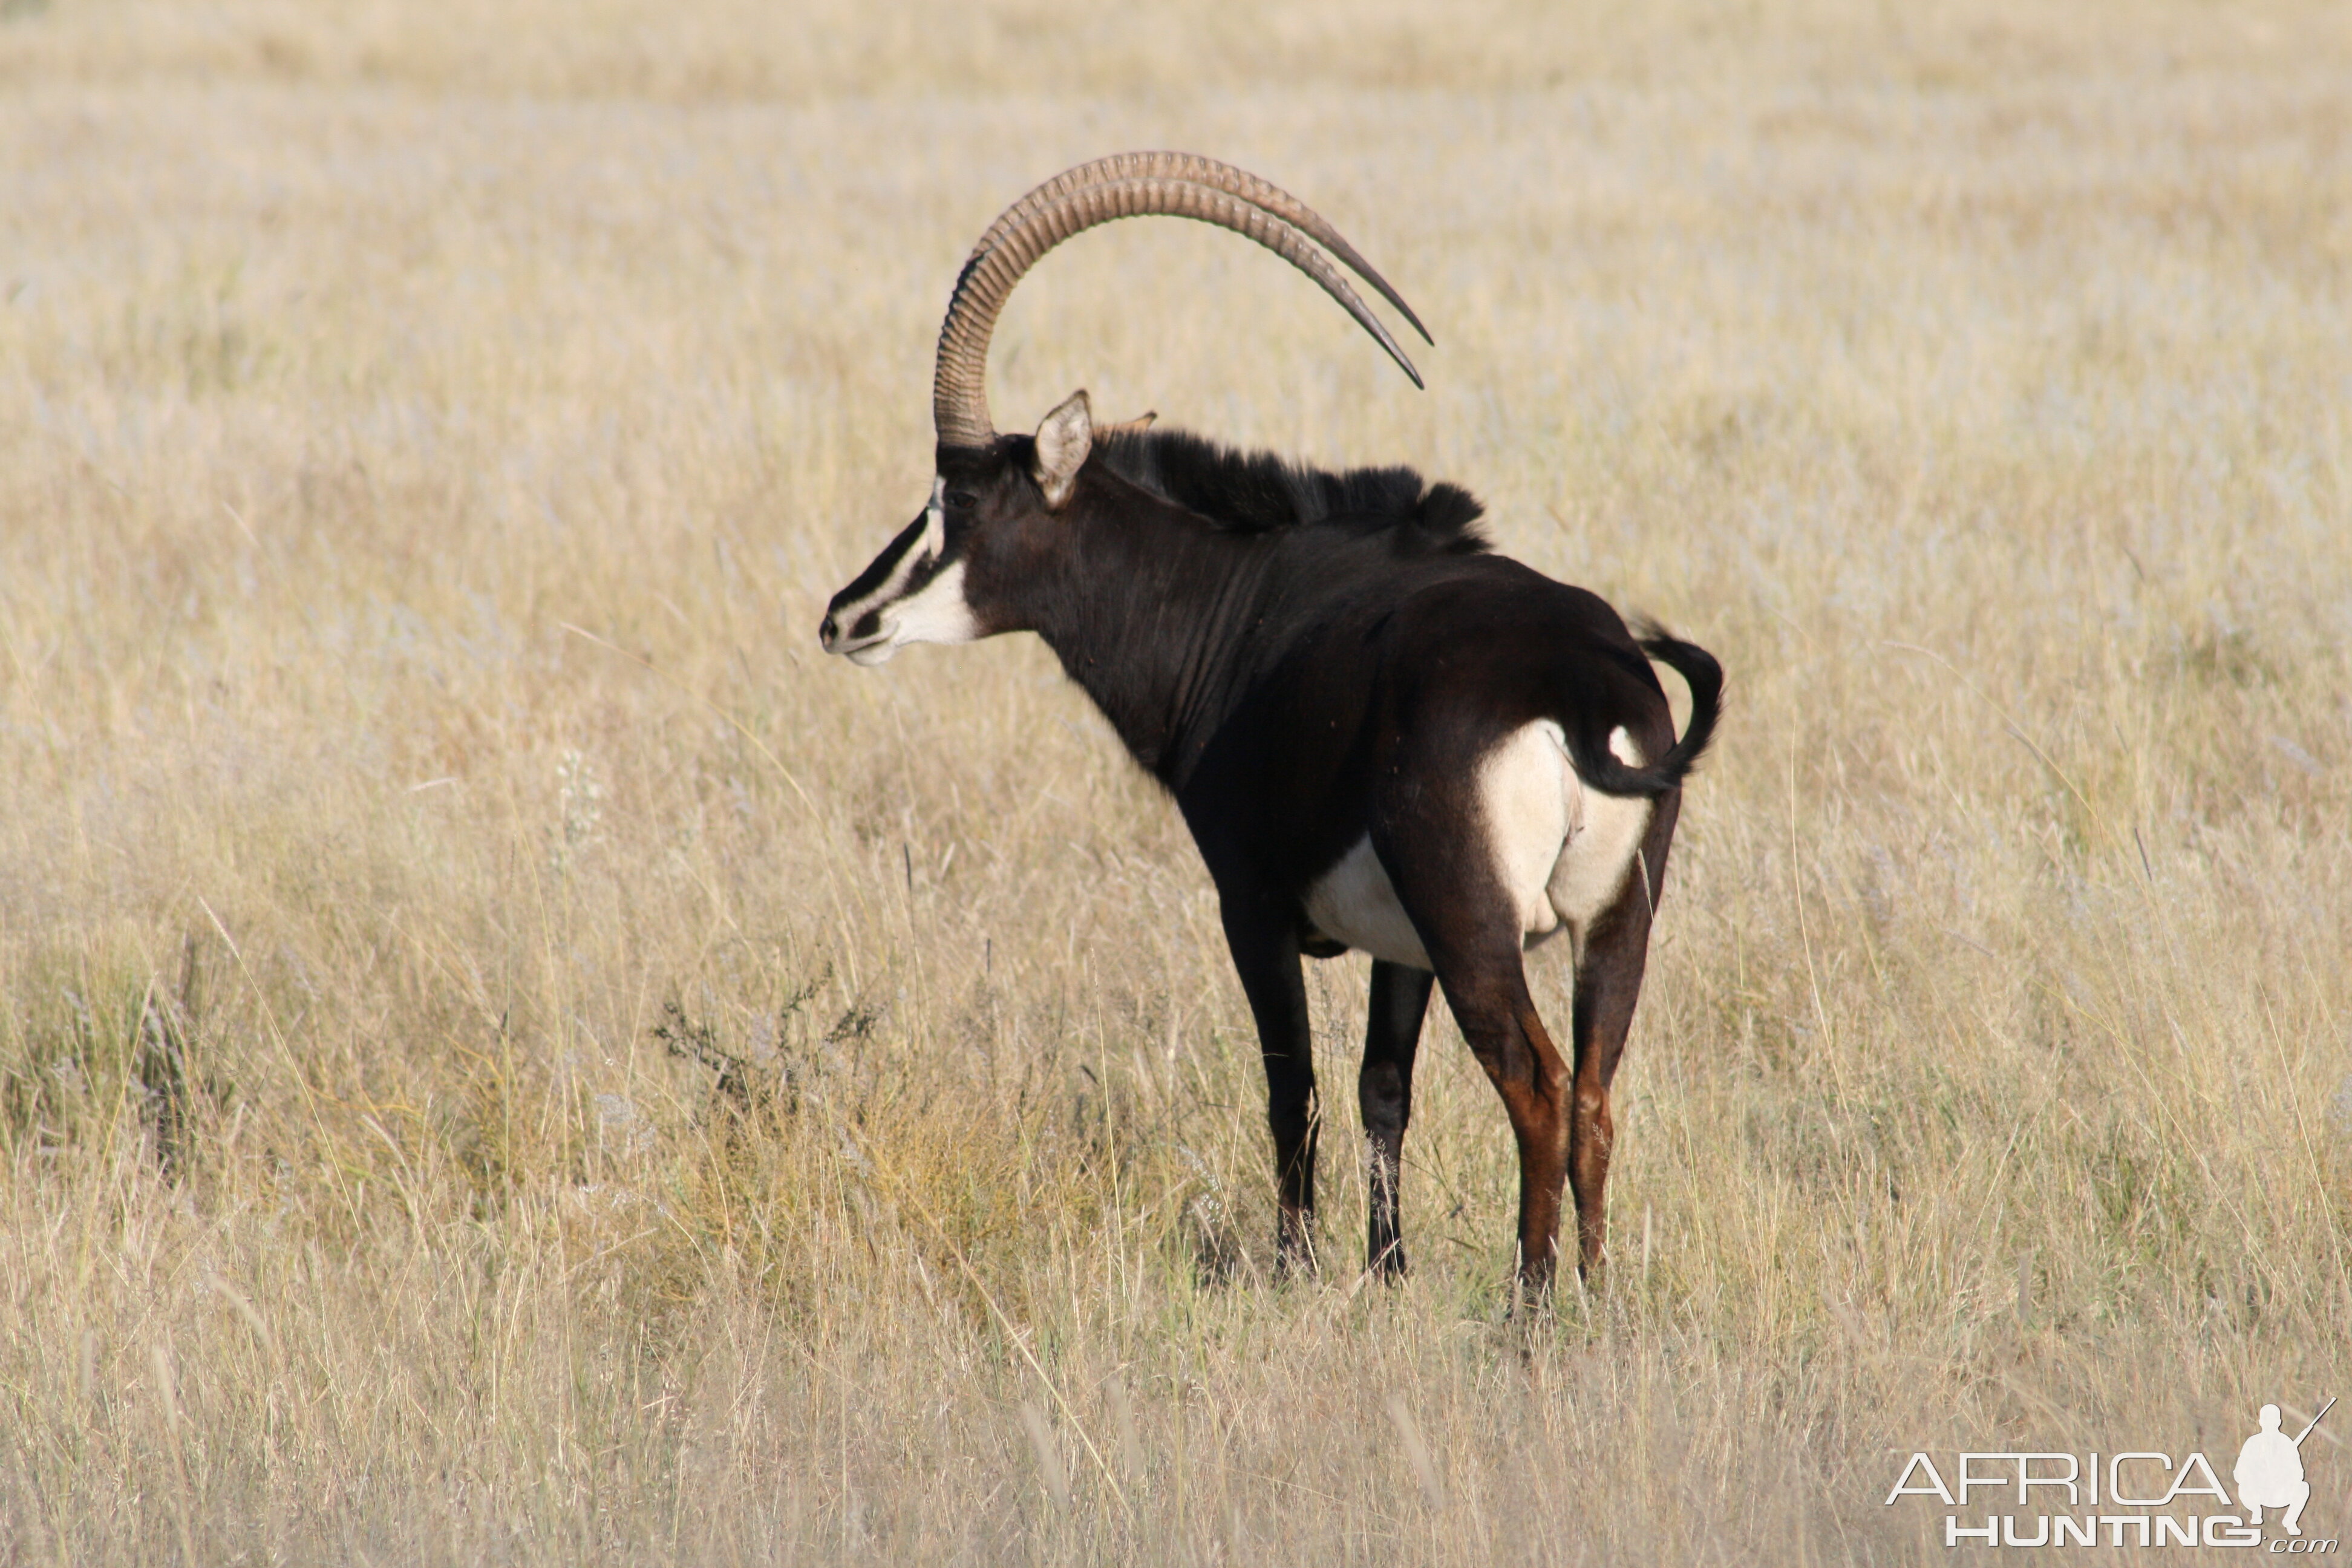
[1257, 492]
[1171, 606]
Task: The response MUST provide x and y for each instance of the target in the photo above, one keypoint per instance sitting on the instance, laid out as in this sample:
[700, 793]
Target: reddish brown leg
[1490, 1001]
[1472, 935]
[1592, 1134]
[1540, 1119]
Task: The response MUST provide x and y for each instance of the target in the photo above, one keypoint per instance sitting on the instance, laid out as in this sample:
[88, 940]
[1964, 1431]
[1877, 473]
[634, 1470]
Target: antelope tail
[1600, 768]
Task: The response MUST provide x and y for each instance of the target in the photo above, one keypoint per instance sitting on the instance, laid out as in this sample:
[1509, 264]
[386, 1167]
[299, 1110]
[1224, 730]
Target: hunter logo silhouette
[2270, 1469]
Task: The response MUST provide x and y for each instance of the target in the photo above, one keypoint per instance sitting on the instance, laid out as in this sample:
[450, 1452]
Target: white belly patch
[1354, 902]
[1563, 852]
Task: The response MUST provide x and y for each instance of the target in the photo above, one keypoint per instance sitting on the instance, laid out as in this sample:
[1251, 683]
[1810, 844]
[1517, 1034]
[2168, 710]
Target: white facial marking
[937, 612]
[927, 545]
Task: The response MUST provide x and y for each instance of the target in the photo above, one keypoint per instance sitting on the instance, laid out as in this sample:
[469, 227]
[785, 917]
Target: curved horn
[1199, 171]
[1039, 222]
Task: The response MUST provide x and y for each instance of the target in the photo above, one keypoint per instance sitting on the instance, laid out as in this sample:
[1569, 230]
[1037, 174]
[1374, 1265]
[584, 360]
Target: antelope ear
[1135, 427]
[1063, 442]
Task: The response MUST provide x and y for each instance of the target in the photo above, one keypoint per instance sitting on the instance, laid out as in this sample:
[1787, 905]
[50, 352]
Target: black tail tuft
[1704, 676]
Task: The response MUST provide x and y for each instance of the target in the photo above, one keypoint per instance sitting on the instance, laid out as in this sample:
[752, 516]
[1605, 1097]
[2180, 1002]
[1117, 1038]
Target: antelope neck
[1158, 615]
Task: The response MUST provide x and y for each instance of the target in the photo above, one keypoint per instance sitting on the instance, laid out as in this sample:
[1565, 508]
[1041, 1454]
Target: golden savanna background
[508, 1055]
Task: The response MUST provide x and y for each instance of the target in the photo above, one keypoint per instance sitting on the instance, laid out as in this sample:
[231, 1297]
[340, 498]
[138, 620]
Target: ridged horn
[1046, 216]
[1199, 171]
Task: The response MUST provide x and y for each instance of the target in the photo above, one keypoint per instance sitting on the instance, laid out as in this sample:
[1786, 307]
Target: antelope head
[948, 576]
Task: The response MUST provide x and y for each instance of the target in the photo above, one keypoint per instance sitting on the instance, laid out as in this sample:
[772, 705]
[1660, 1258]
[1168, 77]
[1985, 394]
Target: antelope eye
[962, 501]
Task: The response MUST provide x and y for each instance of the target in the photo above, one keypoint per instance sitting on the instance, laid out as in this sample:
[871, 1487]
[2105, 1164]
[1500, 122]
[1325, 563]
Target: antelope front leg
[1264, 939]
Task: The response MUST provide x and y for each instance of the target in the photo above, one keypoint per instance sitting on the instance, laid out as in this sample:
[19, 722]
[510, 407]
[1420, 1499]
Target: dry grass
[426, 442]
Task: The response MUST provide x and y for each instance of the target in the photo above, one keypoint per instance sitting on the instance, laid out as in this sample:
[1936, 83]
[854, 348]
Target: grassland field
[429, 434]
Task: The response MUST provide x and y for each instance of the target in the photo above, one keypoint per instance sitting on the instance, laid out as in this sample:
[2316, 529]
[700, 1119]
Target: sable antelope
[1381, 735]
